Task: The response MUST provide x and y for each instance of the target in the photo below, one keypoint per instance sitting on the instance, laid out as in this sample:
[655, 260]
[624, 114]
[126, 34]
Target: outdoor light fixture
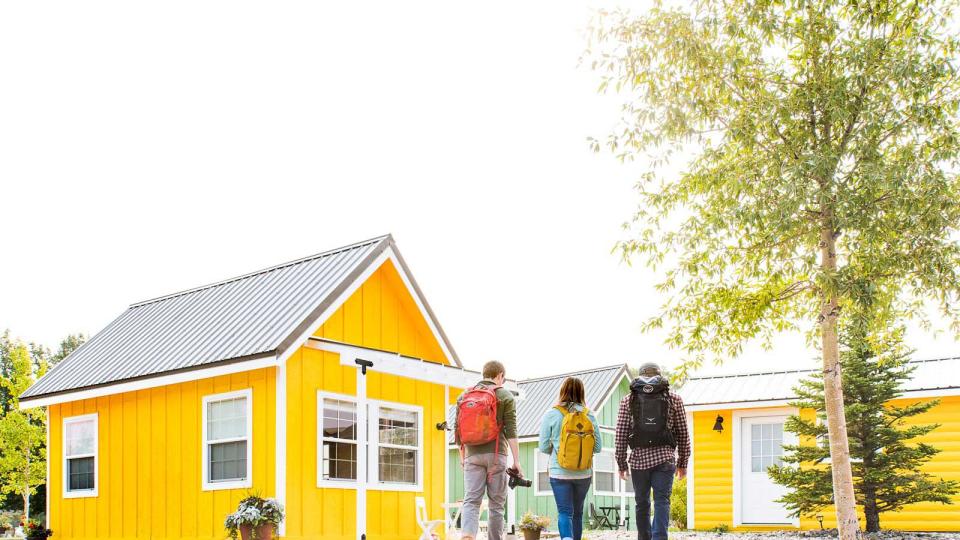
[820, 519]
[718, 425]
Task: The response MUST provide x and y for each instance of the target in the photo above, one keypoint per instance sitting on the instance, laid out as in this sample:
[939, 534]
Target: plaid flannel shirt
[648, 458]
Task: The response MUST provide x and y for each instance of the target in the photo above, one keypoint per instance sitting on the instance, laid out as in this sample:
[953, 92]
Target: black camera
[517, 479]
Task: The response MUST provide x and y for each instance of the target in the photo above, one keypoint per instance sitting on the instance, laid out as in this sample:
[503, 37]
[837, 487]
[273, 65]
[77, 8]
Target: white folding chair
[426, 525]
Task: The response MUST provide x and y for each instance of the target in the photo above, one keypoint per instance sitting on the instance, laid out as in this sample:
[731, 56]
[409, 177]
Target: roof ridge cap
[322, 254]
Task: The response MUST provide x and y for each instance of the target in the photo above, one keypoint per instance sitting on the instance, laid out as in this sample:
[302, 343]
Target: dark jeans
[660, 480]
[570, 495]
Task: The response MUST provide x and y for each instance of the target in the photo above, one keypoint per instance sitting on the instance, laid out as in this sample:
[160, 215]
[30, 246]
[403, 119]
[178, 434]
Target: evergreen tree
[887, 461]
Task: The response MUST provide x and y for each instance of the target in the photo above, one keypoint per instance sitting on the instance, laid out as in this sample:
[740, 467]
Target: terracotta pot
[262, 532]
[531, 535]
[265, 532]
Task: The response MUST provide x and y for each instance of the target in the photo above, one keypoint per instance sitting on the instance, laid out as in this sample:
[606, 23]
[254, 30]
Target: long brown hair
[571, 391]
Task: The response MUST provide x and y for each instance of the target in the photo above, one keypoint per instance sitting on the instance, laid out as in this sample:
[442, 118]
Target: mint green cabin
[605, 387]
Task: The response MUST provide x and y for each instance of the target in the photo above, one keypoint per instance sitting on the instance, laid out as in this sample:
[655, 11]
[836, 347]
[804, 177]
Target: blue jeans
[570, 495]
[660, 480]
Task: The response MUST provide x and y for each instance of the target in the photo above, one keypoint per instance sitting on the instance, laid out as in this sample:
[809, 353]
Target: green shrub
[721, 528]
[678, 504]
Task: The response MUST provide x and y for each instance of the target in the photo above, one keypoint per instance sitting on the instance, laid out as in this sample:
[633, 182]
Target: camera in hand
[517, 479]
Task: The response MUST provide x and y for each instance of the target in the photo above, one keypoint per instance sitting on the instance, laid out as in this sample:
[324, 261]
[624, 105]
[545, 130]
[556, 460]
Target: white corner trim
[77, 494]
[691, 485]
[246, 482]
[280, 442]
[152, 382]
[738, 416]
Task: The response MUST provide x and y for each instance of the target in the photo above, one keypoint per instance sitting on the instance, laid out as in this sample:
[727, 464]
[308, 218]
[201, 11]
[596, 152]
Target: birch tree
[820, 138]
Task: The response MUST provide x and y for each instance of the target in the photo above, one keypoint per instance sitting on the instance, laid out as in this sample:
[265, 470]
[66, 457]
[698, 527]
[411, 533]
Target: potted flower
[37, 531]
[532, 525]
[256, 518]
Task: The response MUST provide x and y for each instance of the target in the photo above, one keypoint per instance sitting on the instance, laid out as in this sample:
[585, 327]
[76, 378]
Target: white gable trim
[908, 394]
[387, 255]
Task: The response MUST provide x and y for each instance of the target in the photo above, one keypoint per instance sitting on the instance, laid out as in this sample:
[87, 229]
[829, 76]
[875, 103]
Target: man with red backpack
[486, 424]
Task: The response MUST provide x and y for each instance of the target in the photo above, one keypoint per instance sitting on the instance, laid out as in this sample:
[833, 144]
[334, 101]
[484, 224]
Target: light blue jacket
[550, 442]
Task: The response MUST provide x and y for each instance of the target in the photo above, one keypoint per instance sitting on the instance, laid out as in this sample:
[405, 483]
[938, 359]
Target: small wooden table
[612, 513]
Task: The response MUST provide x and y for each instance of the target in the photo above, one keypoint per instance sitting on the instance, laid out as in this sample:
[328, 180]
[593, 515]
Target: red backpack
[477, 417]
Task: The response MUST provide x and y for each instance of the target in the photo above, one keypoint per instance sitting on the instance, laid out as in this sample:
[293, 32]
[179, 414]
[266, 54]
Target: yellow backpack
[577, 440]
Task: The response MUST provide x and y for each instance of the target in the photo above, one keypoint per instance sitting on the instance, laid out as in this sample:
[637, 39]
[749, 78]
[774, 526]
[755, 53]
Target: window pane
[776, 431]
[605, 481]
[228, 461]
[543, 461]
[604, 461]
[80, 474]
[398, 427]
[398, 465]
[755, 448]
[767, 447]
[81, 437]
[765, 431]
[543, 481]
[339, 419]
[756, 464]
[227, 419]
[628, 485]
[755, 431]
[339, 461]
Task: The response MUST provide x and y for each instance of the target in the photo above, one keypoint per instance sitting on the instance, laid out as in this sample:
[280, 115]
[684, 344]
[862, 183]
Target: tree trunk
[848, 524]
[870, 511]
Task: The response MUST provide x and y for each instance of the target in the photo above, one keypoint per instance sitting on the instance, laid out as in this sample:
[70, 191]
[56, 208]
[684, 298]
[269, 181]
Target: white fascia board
[152, 382]
[402, 366]
[738, 405]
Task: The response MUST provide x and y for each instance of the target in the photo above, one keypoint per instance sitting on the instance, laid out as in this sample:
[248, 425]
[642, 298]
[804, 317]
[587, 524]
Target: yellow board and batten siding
[149, 460]
[713, 473]
[150, 449]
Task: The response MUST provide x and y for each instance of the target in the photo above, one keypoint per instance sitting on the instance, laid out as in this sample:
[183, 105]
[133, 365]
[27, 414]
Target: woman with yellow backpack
[570, 434]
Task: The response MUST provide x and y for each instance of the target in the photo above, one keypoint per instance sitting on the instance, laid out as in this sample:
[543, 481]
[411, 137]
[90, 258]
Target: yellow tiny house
[737, 431]
[317, 382]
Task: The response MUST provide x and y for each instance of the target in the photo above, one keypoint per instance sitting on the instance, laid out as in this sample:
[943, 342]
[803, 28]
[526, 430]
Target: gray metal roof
[539, 395]
[249, 316]
[937, 374]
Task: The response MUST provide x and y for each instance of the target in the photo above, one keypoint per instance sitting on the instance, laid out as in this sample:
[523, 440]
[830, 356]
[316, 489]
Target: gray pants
[484, 472]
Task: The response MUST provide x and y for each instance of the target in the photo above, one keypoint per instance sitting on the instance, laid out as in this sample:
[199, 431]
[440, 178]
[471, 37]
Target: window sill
[80, 494]
[235, 484]
[394, 487]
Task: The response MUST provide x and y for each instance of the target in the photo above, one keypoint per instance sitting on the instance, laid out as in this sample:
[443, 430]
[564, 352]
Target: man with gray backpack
[653, 424]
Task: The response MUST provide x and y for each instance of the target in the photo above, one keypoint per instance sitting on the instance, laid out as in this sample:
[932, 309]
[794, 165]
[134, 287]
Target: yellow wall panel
[713, 473]
[149, 453]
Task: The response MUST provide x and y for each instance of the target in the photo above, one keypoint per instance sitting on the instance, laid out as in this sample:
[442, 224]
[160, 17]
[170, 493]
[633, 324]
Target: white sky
[151, 147]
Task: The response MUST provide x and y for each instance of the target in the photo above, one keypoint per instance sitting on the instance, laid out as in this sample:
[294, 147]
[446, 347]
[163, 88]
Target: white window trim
[205, 444]
[332, 483]
[617, 483]
[368, 454]
[548, 492]
[373, 422]
[79, 493]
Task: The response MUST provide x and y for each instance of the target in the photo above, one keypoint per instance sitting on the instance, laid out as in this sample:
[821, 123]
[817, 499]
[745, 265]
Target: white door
[761, 445]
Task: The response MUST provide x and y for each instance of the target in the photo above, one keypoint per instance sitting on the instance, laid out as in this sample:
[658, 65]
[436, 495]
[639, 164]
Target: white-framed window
[391, 448]
[541, 473]
[605, 478]
[337, 442]
[396, 442]
[80, 456]
[228, 440]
